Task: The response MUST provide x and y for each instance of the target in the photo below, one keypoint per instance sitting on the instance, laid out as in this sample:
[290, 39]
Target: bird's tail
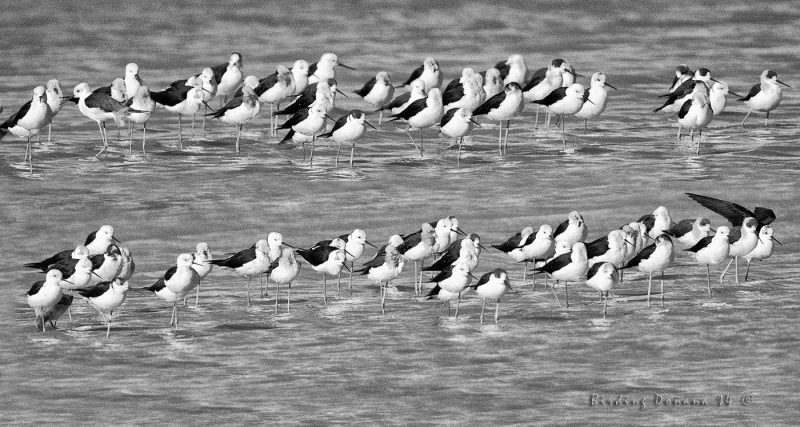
[288, 137]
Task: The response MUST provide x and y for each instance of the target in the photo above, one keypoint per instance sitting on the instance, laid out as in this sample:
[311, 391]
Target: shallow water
[347, 363]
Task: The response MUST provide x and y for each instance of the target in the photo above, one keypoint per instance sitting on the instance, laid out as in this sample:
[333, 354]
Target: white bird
[325, 68]
[765, 96]
[598, 94]
[141, 102]
[355, 244]
[682, 73]
[469, 95]
[106, 266]
[275, 89]
[28, 120]
[44, 294]
[283, 271]
[492, 83]
[384, 268]
[132, 80]
[677, 97]
[128, 265]
[421, 114]
[327, 258]
[106, 297]
[202, 265]
[228, 76]
[503, 106]
[743, 240]
[97, 241]
[712, 251]
[300, 74]
[513, 69]
[348, 129]
[55, 99]
[764, 249]
[602, 276]
[492, 285]
[719, 91]
[610, 248]
[239, 111]
[654, 259]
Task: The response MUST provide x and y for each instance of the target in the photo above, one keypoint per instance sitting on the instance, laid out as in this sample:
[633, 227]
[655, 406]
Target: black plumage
[45, 264]
[414, 75]
[236, 260]
[367, 88]
[735, 213]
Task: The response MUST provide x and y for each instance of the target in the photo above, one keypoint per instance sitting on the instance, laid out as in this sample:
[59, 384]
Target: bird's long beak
[590, 101]
[712, 231]
[472, 276]
[286, 244]
[776, 241]
[346, 66]
[139, 79]
[460, 231]
[613, 87]
[714, 80]
[346, 267]
[197, 264]
[342, 93]
[98, 276]
[575, 74]
[115, 239]
[330, 117]
[628, 242]
[734, 94]
[367, 242]
[475, 123]
[370, 125]
[67, 281]
[348, 253]
[782, 83]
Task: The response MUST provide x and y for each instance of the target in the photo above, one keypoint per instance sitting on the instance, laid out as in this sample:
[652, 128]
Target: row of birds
[99, 269]
[500, 93]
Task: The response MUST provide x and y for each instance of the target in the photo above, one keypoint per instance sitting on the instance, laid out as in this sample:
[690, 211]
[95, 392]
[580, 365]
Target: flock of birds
[500, 93]
[99, 270]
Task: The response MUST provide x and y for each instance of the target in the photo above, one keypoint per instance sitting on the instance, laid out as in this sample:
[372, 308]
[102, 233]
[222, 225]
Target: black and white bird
[418, 247]
[452, 280]
[696, 113]
[273, 90]
[572, 230]
[183, 97]
[681, 94]
[239, 110]
[105, 297]
[735, 213]
[422, 114]
[610, 248]
[492, 286]
[106, 266]
[176, 282]
[282, 271]
[28, 120]
[399, 103]
[327, 258]
[513, 69]
[457, 123]
[565, 101]
[764, 96]
[348, 129]
[712, 251]
[654, 259]
[689, 231]
[354, 245]
[55, 99]
[598, 95]
[602, 277]
[202, 265]
[429, 73]
[682, 73]
[249, 262]
[718, 97]
[377, 91]
[45, 294]
[503, 107]
[100, 107]
[307, 123]
[567, 267]
[97, 241]
[69, 254]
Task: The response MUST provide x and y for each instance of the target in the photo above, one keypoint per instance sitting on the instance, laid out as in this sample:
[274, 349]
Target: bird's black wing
[731, 211]
[414, 75]
[753, 92]
[490, 104]
[367, 88]
[509, 245]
